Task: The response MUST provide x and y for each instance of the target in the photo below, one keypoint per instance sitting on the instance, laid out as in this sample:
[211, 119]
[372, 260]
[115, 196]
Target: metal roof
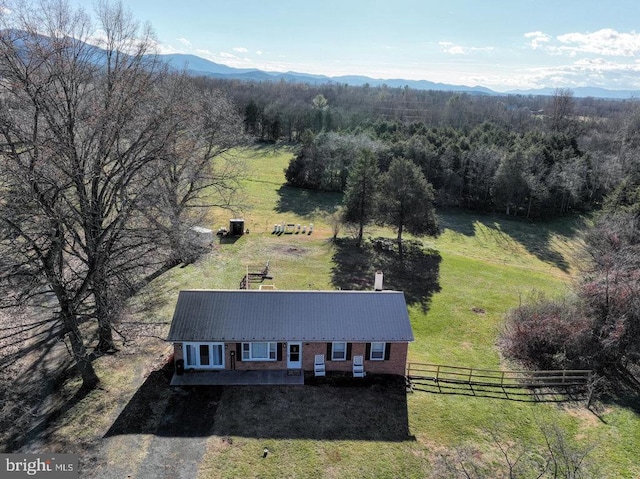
[254, 315]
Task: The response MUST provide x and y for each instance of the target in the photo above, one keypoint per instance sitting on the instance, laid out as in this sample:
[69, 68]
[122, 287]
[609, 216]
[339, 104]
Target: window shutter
[238, 351]
[368, 351]
[387, 351]
[329, 348]
[279, 347]
[348, 351]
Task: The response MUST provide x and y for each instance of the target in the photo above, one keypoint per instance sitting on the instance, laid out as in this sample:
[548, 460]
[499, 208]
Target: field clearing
[479, 268]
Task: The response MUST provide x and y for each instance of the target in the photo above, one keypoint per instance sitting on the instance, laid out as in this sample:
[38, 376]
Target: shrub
[548, 334]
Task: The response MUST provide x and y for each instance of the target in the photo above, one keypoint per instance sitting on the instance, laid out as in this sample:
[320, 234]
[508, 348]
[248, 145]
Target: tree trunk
[104, 316]
[79, 351]
[105, 333]
[400, 249]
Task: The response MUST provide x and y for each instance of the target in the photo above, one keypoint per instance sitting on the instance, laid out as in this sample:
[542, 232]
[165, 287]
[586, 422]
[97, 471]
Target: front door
[294, 355]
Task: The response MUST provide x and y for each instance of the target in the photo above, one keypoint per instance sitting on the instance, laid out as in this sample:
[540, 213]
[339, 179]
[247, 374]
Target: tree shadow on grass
[537, 238]
[158, 409]
[373, 410]
[416, 274]
[304, 202]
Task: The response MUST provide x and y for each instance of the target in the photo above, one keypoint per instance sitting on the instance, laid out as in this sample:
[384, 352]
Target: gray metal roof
[254, 315]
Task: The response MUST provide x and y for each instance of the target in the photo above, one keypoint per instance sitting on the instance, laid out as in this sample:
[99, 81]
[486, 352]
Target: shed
[203, 236]
[236, 227]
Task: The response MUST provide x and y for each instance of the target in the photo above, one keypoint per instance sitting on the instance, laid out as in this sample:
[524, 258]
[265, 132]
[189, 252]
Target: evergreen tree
[361, 192]
[406, 200]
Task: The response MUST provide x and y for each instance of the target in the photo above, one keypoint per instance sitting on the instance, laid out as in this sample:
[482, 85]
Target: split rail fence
[487, 382]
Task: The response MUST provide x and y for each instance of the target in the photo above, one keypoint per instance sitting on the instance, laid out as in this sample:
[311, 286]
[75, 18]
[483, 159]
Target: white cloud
[603, 42]
[240, 50]
[185, 42]
[258, 52]
[229, 55]
[606, 42]
[163, 49]
[596, 72]
[451, 48]
[538, 39]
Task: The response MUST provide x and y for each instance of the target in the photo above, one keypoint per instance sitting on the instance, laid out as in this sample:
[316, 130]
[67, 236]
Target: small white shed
[203, 236]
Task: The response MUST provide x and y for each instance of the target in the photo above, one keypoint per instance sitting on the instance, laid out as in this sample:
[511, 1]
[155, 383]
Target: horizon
[521, 45]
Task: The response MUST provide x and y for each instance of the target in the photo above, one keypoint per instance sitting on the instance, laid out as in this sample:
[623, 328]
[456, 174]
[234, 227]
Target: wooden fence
[477, 381]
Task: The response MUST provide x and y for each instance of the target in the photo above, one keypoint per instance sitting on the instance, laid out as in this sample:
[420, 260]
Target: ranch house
[274, 337]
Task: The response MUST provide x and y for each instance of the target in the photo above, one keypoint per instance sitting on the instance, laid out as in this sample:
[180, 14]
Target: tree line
[532, 175]
[530, 156]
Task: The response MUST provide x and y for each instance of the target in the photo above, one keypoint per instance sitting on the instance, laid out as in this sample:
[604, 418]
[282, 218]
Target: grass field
[479, 268]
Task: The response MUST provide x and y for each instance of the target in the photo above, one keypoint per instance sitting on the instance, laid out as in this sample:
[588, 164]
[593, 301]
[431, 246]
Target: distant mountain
[200, 66]
[584, 92]
[196, 65]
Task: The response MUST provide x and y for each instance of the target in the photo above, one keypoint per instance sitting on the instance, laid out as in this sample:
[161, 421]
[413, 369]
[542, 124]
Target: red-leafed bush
[548, 334]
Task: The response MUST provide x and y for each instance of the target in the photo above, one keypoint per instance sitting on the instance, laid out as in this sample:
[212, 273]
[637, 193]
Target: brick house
[288, 331]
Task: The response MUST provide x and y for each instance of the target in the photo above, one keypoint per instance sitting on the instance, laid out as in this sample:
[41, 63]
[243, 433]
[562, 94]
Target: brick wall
[248, 365]
[177, 351]
[396, 364]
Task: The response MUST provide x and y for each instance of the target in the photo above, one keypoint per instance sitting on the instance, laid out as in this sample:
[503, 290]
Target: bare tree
[559, 458]
[561, 108]
[94, 140]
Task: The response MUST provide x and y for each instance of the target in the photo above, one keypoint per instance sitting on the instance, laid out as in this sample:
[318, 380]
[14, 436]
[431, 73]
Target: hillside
[134, 424]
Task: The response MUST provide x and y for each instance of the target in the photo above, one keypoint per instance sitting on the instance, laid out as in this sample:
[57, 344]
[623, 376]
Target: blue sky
[502, 45]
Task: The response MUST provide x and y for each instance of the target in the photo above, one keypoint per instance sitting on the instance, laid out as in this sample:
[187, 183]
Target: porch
[239, 378]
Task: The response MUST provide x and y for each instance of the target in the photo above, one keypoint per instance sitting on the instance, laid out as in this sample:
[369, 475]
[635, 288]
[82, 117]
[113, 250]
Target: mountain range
[196, 65]
[200, 66]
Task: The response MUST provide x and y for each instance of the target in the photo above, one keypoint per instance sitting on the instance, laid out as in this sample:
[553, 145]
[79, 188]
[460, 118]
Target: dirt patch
[158, 409]
[328, 409]
[290, 250]
[161, 432]
[586, 417]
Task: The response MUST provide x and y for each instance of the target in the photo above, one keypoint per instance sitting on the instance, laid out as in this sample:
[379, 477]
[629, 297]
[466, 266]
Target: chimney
[377, 284]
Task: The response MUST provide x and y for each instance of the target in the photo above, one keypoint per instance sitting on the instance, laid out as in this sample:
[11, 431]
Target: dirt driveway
[161, 433]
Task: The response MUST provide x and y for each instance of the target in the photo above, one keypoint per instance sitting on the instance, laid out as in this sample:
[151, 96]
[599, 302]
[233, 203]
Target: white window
[259, 351]
[203, 355]
[377, 351]
[339, 351]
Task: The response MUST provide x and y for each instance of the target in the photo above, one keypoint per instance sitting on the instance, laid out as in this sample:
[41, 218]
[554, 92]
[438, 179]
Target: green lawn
[480, 267]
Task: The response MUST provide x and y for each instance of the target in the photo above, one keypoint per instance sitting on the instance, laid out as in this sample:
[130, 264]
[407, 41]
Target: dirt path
[161, 432]
[150, 457]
